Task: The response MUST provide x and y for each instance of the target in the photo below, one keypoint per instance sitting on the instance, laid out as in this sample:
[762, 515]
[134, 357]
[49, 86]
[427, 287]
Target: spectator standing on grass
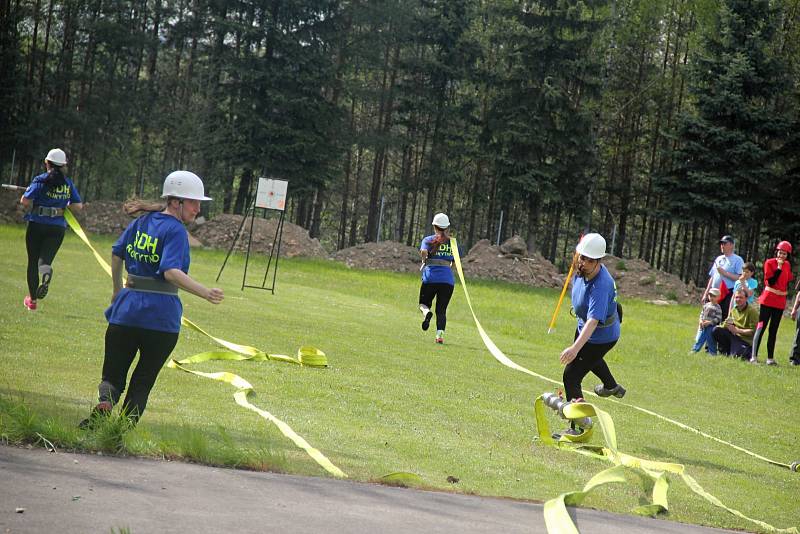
[725, 271]
[734, 337]
[747, 282]
[594, 300]
[794, 357]
[437, 275]
[710, 316]
[777, 275]
[145, 315]
[47, 197]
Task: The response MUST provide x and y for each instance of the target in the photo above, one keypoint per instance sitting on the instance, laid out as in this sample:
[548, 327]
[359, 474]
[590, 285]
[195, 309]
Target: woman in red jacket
[777, 275]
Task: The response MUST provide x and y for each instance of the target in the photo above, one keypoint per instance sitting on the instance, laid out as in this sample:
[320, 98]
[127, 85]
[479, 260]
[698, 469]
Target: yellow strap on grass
[76, 227]
[243, 390]
[306, 356]
[556, 516]
[652, 469]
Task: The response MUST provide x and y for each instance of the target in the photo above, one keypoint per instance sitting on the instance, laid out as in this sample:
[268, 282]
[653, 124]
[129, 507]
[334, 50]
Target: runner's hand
[568, 354]
[215, 295]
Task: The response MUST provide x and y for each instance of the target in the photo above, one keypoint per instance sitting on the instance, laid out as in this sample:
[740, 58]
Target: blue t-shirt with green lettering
[54, 196]
[597, 299]
[150, 246]
[437, 274]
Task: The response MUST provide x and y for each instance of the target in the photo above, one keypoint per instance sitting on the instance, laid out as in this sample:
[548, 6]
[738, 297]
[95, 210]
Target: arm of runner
[571, 352]
[179, 278]
[796, 305]
[117, 264]
[77, 206]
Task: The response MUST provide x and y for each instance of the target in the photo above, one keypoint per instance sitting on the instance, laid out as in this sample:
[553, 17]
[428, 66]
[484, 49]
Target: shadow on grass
[659, 454]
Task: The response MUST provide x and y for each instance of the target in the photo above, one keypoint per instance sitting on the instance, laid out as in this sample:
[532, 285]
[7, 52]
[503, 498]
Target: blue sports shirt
[437, 274]
[597, 299]
[59, 196]
[150, 245]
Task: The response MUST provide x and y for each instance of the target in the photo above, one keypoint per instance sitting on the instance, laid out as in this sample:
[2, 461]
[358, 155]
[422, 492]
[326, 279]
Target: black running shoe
[427, 321]
[617, 391]
[41, 291]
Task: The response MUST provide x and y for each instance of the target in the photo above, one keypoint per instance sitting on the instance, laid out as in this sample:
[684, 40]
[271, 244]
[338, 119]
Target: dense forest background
[662, 124]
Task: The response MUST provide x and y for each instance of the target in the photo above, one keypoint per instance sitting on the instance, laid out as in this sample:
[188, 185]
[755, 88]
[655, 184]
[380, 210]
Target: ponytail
[55, 177]
[136, 207]
[439, 239]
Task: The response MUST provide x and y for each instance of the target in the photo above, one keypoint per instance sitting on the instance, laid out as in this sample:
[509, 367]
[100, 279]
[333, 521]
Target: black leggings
[589, 358]
[442, 292]
[767, 315]
[122, 343]
[42, 242]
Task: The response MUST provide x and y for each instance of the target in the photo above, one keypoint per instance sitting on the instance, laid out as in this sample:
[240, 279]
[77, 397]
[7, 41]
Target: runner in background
[145, 315]
[46, 198]
[437, 275]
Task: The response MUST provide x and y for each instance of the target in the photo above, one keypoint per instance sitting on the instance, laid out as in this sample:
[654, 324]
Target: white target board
[271, 194]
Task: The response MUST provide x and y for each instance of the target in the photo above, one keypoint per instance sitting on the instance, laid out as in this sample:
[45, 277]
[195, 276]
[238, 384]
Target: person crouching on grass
[594, 300]
[735, 336]
[437, 275]
[145, 315]
[709, 318]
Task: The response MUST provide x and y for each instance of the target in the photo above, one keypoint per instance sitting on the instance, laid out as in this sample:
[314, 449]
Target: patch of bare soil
[220, 232]
[383, 256]
[509, 262]
[637, 279]
[483, 261]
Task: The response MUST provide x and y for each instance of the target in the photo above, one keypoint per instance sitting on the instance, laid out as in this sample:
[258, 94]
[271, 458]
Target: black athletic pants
[731, 344]
[767, 315]
[795, 356]
[442, 292]
[122, 343]
[42, 242]
[589, 358]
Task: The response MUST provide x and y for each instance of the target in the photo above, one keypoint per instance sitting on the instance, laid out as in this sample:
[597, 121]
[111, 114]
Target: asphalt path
[44, 492]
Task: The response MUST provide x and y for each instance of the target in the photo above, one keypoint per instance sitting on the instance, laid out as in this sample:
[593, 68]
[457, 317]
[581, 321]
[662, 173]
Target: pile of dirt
[510, 262]
[10, 209]
[637, 279]
[220, 232]
[103, 217]
[383, 256]
[507, 262]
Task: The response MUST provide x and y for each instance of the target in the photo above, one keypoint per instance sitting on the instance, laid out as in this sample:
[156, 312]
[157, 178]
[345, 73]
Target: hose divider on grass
[556, 516]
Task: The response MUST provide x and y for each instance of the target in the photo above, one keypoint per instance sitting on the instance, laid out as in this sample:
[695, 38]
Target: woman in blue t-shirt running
[594, 299]
[46, 198]
[145, 315]
[437, 276]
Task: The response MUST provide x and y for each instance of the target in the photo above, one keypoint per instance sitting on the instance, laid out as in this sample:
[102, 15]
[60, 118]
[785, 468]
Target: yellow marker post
[561, 298]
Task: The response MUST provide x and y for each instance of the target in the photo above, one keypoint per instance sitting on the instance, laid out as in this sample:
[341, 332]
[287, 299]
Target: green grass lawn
[392, 400]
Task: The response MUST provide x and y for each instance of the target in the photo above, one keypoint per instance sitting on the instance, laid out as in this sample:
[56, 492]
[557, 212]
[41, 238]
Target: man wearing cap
[725, 271]
[735, 336]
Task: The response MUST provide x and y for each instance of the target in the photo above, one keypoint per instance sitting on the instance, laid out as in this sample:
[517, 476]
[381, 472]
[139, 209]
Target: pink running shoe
[29, 303]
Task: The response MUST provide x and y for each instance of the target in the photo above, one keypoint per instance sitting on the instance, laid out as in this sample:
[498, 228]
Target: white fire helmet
[184, 184]
[57, 157]
[592, 246]
[441, 220]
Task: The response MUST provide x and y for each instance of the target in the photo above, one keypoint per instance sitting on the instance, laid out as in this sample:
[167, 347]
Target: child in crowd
[709, 318]
[747, 282]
